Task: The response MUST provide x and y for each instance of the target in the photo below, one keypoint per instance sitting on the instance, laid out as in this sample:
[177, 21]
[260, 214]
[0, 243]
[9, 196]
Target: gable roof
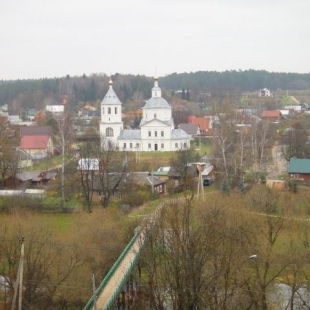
[271, 113]
[34, 142]
[36, 131]
[190, 128]
[202, 122]
[298, 165]
[141, 178]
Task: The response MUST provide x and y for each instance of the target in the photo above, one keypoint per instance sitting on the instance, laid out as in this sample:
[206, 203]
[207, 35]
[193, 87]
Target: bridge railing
[106, 279]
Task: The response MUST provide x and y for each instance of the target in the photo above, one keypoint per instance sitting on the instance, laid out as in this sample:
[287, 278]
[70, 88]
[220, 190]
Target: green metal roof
[299, 166]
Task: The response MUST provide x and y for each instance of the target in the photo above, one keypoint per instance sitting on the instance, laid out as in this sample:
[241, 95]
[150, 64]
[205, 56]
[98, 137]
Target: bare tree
[262, 131]
[63, 136]
[111, 167]
[296, 143]
[8, 157]
[87, 166]
[224, 140]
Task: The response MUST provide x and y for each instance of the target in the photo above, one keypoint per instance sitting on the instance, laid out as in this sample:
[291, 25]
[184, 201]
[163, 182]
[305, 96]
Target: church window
[162, 146]
[185, 146]
[149, 133]
[176, 146]
[109, 110]
[149, 145]
[109, 132]
[137, 145]
[124, 145]
[155, 115]
[162, 133]
[115, 110]
[130, 145]
[155, 133]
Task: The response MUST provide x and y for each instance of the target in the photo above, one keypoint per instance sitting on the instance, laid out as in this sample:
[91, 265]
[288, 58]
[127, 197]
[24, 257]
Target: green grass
[287, 100]
[63, 222]
[47, 163]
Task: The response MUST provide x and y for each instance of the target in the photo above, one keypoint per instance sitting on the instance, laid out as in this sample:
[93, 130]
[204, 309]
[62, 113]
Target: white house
[156, 133]
[265, 92]
[55, 109]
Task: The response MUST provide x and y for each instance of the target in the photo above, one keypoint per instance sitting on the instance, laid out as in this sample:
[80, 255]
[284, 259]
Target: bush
[7, 204]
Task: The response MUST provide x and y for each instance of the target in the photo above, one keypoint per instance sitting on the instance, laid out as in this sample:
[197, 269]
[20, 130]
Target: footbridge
[112, 285]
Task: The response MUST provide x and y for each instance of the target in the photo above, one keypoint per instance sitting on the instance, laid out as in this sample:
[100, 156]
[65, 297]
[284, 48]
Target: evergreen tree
[188, 97]
[183, 93]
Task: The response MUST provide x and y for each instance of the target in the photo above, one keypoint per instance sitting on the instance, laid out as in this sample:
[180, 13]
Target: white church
[156, 133]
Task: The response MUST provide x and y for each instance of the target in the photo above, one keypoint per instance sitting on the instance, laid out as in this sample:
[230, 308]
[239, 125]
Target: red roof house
[204, 123]
[271, 115]
[37, 146]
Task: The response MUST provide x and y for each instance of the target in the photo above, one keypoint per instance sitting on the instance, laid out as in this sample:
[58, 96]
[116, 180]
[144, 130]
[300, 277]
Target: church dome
[156, 102]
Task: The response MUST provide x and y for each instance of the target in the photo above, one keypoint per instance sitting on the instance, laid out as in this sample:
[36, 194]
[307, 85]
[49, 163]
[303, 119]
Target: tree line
[248, 80]
[32, 93]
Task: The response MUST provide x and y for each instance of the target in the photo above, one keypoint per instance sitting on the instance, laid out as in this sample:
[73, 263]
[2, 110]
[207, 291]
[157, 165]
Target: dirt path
[279, 163]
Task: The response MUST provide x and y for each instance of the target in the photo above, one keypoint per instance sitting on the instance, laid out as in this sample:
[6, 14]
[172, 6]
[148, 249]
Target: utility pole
[18, 285]
[21, 273]
[200, 168]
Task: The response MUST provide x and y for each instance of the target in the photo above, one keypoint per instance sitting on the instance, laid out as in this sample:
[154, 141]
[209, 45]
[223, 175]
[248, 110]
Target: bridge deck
[115, 282]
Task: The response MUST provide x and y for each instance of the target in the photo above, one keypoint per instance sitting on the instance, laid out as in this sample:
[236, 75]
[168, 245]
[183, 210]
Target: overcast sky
[53, 38]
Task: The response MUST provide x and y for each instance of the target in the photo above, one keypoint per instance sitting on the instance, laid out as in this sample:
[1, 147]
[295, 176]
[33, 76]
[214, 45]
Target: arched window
[109, 132]
[102, 110]
[162, 145]
[109, 110]
[149, 145]
[155, 115]
[115, 110]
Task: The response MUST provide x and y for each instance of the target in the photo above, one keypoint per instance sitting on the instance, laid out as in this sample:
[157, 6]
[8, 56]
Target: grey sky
[53, 38]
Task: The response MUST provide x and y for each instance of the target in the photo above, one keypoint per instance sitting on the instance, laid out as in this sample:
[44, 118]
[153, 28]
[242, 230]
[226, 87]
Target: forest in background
[37, 93]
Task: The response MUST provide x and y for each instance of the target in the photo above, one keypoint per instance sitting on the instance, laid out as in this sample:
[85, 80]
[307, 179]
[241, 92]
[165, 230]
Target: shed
[36, 193]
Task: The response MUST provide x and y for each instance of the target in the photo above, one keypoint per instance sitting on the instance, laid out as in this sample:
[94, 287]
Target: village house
[299, 169]
[265, 92]
[272, 116]
[36, 131]
[205, 124]
[25, 179]
[37, 147]
[190, 128]
[153, 183]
